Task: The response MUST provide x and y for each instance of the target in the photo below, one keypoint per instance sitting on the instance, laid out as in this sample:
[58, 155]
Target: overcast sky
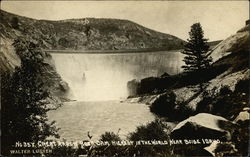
[219, 19]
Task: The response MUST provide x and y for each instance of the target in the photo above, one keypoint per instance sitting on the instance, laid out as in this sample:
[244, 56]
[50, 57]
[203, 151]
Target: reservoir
[76, 119]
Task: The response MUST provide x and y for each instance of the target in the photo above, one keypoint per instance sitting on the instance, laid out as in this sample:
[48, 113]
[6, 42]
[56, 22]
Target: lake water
[98, 82]
[77, 118]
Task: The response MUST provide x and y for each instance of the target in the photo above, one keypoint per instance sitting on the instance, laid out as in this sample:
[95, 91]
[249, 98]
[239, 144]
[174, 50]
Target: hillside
[88, 34]
[220, 110]
[229, 56]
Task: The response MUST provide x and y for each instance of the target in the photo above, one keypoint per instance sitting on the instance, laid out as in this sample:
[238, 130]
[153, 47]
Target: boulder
[203, 125]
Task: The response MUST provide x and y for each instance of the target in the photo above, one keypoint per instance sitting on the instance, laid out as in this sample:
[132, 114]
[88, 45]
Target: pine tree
[196, 50]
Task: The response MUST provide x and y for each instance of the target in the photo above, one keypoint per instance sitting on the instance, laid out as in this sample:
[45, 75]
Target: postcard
[124, 78]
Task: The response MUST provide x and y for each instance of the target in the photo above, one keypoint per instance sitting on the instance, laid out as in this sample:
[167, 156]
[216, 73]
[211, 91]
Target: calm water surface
[77, 118]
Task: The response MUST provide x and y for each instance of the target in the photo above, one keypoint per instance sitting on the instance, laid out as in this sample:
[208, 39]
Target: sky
[219, 19]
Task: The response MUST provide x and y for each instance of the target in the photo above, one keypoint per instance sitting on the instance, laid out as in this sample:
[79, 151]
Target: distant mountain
[87, 34]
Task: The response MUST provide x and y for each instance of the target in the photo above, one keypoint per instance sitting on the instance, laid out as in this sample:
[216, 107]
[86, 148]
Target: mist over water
[98, 77]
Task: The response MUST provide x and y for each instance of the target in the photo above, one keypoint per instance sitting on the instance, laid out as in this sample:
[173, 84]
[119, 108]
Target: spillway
[98, 77]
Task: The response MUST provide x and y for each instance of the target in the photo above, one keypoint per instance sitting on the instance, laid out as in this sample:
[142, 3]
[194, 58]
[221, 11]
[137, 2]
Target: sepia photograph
[124, 78]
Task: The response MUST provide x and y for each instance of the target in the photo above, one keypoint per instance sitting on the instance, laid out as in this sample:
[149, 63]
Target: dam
[104, 76]
[98, 83]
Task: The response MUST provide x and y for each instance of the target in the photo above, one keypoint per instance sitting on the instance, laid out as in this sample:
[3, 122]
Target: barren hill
[87, 34]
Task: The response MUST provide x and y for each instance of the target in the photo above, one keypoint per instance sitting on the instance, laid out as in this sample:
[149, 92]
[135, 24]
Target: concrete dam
[104, 76]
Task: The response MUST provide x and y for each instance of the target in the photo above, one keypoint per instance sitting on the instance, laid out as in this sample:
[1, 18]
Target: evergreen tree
[196, 50]
[23, 105]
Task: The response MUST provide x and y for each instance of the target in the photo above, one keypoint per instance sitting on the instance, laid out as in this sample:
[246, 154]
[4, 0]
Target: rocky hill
[88, 34]
[220, 110]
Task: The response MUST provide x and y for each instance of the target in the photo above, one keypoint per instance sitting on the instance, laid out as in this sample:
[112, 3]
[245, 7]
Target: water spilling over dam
[97, 77]
[97, 82]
